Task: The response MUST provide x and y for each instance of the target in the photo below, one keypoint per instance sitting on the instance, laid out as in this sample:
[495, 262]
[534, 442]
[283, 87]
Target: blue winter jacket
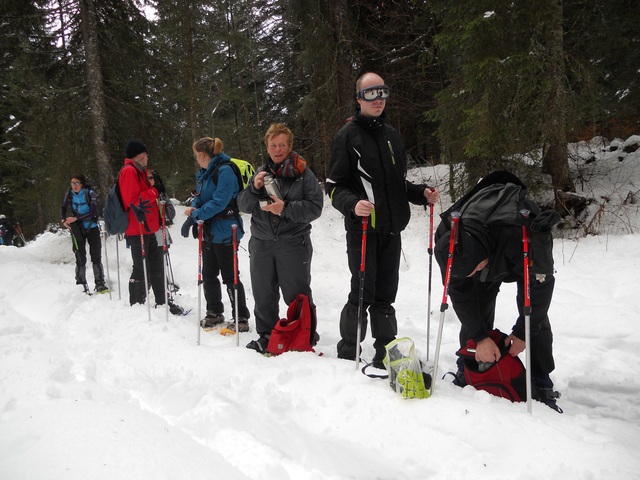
[86, 212]
[213, 198]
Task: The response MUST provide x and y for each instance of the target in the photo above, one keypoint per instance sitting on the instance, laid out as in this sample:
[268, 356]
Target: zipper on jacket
[393, 158]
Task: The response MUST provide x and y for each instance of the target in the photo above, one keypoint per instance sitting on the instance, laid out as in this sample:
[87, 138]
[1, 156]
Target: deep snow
[89, 388]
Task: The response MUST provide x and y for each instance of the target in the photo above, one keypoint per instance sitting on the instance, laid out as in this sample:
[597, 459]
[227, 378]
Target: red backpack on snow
[297, 331]
[505, 378]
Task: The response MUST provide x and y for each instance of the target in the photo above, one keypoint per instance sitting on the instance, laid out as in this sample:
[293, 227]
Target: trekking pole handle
[200, 225]
[430, 229]
[453, 237]
[527, 308]
[363, 253]
[525, 258]
[234, 230]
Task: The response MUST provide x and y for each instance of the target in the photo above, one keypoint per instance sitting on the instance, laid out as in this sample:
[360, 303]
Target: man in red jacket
[142, 199]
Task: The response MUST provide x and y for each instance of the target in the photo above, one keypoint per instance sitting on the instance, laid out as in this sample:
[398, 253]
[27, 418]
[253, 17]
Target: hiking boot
[259, 345]
[175, 309]
[243, 325]
[543, 391]
[346, 350]
[381, 352]
[212, 320]
[101, 288]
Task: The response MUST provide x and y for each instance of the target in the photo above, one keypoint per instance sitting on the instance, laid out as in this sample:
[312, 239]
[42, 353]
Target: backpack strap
[232, 209]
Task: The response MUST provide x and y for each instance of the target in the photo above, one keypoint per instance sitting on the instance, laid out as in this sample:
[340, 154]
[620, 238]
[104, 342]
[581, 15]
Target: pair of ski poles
[453, 237]
[363, 254]
[234, 229]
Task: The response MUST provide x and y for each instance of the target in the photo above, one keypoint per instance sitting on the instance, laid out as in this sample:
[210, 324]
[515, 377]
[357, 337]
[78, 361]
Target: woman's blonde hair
[276, 129]
[208, 145]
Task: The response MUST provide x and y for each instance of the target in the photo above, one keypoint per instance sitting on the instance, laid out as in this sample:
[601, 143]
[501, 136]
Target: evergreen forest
[478, 84]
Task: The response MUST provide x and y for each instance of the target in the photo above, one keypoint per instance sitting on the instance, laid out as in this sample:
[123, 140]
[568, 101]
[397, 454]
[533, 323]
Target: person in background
[80, 201]
[144, 221]
[170, 211]
[7, 231]
[215, 203]
[170, 214]
[367, 177]
[280, 246]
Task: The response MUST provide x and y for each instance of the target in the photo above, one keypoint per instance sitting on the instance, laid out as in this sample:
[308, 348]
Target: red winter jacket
[135, 188]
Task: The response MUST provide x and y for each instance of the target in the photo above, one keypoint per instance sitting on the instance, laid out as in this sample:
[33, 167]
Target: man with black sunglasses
[367, 178]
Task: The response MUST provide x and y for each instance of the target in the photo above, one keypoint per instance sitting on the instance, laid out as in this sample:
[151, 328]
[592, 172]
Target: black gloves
[186, 226]
[141, 210]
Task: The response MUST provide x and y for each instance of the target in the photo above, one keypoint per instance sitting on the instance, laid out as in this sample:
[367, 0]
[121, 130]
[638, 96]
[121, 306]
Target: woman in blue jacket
[215, 203]
[80, 200]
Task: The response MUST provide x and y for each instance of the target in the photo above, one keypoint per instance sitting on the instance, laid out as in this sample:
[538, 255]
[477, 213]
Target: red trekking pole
[455, 218]
[527, 308]
[430, 270]
[200, 223]
[363, 254]
[234, 229]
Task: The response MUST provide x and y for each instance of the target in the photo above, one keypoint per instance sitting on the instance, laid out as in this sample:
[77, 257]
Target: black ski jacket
[491, 215]
[368, 163]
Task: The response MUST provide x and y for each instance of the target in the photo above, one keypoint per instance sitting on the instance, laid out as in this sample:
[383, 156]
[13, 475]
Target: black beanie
[135, 148]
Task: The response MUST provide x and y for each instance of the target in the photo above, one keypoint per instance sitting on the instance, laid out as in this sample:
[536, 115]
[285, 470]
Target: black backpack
[116, 216]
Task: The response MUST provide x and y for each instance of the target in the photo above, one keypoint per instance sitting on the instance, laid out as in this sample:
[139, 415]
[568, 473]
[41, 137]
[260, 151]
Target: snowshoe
[102, 288]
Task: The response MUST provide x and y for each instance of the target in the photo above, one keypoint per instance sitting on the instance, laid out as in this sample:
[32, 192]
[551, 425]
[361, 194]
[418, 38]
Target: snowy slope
[89, 388]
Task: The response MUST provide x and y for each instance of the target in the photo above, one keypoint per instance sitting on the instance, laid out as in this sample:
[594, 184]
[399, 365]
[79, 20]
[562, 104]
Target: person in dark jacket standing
[488, 252]
[81, 201]
[7, 231]
[144, 221]
[280, 246]
[367, 176]
[215, 202]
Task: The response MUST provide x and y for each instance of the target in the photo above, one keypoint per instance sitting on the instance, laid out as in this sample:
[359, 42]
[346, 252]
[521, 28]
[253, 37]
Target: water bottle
[271, 187]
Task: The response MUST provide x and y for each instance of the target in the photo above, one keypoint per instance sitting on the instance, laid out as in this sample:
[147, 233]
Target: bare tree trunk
[191, 76]
[555, 159]
[345, 83]
[89, 27]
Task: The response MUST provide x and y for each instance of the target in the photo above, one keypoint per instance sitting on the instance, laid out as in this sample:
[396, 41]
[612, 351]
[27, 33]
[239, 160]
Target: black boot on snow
[175, 309]
[259, 345]
[212, 320]
[381, 352]
[543, 392]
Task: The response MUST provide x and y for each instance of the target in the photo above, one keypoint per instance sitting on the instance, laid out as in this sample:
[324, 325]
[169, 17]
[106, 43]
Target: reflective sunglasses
[76, 183]
[376, 92]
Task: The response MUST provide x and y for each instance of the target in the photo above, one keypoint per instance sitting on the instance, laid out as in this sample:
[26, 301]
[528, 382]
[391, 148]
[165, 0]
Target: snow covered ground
[90, 389]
